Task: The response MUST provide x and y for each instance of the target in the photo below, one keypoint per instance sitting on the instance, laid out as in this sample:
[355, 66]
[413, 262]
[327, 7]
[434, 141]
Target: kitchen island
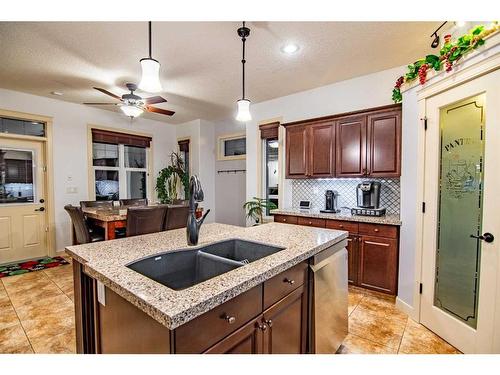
[119, 310]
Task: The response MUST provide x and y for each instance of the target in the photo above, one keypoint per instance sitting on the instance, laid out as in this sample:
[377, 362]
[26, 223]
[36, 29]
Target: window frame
[229, 137]
[122, 170]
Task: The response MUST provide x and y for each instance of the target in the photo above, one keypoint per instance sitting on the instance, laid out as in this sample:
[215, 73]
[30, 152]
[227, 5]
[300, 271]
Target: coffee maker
[368, 199]
[330, 202]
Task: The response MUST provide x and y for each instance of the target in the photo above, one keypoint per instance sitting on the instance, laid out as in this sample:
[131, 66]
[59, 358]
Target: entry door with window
[460, 261]
[22, 213]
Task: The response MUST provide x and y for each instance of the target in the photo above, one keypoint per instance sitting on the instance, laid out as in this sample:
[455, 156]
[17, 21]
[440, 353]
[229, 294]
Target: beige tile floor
[36, 316]
[376, 326]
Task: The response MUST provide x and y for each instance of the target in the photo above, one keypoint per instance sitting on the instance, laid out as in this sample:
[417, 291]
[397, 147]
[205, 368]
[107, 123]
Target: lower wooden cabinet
[378, 263]
[246, 340]
[352, 259]
[281, 329]
[372, 251]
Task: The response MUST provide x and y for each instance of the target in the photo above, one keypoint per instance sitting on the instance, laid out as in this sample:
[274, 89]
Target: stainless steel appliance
[368, 199]
[330, 202]
[329, 299]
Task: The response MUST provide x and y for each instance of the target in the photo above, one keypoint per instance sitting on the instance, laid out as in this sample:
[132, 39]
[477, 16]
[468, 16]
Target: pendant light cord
[243, 61]
[149, 23]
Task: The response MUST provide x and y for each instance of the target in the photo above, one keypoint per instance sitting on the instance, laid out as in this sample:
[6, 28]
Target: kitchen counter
[106, 261]
[342, 215]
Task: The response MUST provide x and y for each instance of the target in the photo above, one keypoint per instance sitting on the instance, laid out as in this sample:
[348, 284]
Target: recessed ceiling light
[290, 48]
[56, 93]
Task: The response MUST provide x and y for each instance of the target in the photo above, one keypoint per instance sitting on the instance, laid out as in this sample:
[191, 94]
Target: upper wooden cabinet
[296, 152]
[358, 144]
[310, 150]
[384, 144]
[351, 147]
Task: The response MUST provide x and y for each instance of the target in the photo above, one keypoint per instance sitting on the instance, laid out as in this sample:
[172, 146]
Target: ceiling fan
[133, 105]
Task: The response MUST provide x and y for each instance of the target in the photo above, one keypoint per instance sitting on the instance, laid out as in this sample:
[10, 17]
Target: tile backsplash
[314, 190]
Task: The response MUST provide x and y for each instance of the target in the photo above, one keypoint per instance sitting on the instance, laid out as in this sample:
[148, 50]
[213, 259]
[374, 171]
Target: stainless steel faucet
[193, 225]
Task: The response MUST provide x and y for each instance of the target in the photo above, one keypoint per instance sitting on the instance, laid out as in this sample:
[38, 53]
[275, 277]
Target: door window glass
[460, 209]
[16, 176]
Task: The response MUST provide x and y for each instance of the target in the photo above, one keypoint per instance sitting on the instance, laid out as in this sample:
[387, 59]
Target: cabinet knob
[230, 319]
[262, 326]
[376, 230]
[284, 220]
[269, 322]
[310, 223]
[341, 226]
[289, 281]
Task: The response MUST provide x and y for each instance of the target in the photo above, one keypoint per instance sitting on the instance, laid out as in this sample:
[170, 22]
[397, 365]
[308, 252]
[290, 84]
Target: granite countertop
[105, 261]
[342, 215]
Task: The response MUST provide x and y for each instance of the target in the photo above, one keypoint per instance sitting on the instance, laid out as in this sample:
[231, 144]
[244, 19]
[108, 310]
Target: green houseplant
[169, 179]
[255, 208]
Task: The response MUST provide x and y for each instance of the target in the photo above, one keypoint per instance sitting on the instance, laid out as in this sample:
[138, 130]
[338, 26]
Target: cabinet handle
[269, 323]
[377, 243]
[262, 327]
[289, 281]
[230, 319]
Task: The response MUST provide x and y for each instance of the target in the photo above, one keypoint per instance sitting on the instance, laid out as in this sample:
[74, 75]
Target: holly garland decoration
[450, 54]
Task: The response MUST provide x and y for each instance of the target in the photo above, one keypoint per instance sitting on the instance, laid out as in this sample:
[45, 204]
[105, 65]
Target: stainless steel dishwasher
[329, 299]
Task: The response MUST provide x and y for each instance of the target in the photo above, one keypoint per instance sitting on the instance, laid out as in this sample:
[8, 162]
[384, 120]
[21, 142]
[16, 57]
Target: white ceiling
[201, 69]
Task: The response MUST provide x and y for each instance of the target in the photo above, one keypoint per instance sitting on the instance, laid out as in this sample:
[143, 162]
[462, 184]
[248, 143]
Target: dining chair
[93, 204]
[176, 217]
[144, 220]
[133, 202]
[83, 233]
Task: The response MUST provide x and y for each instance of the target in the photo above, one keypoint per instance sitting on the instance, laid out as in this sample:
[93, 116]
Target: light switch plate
[101, 293]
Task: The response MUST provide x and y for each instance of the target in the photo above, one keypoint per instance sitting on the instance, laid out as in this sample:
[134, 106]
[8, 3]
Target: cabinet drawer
[349, 226]
[389, 231]
[285, 219]
[280, 285]
[202, 332]
[311, 222]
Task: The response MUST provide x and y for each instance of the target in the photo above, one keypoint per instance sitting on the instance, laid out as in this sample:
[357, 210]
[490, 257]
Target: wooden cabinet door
[296, 152]
[350, 147]
[321, 150]
[286, 322]
[352, 259]
[384, 144]
[378, 263]
[246, 340]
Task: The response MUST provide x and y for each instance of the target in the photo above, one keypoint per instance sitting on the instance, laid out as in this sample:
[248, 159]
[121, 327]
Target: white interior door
[22, 193]
[462, 183]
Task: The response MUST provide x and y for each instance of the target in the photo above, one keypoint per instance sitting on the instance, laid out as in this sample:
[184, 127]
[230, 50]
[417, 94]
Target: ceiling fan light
[244, 110]
[150, 81]
[131, 110]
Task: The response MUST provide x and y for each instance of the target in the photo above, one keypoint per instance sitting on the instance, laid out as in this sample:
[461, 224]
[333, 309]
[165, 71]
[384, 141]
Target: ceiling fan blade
[154, 100]
[100, 103]
[159, 110]
[108, 93]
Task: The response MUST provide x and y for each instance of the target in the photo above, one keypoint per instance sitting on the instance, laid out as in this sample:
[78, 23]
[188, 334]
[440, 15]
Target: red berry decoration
[422, 73]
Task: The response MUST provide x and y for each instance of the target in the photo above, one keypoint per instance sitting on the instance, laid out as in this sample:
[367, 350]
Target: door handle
[40, 209]
[487, 237]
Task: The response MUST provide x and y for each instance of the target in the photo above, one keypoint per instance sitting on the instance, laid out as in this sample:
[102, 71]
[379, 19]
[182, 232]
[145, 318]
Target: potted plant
[255, 208]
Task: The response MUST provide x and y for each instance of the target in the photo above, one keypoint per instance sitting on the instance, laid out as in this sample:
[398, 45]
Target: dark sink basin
[241, 250]
[183, 268]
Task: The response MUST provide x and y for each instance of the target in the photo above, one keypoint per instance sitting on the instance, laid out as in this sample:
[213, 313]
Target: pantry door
[461, 231]
[22, 196]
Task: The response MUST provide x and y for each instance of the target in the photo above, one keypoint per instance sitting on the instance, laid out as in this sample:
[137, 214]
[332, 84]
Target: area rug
[31, 265]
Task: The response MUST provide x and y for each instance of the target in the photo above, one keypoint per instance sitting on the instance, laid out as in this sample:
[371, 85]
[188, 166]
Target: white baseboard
[407, 309]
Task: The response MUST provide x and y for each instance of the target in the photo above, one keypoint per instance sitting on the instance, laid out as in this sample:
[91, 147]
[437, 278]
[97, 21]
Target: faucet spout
[193, 225]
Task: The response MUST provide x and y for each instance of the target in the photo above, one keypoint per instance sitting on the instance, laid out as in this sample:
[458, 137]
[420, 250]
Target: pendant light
[243, 104]
[131, 110]
[150, 81]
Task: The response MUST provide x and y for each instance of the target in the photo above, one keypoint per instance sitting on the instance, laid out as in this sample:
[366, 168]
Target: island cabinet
[271, 317]
[372, 250]
[364, 143]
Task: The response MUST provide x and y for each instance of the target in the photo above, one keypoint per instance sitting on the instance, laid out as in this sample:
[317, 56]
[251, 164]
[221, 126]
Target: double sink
[182, 268]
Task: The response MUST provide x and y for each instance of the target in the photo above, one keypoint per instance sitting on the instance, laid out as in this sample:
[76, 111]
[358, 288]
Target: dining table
[114, 218]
